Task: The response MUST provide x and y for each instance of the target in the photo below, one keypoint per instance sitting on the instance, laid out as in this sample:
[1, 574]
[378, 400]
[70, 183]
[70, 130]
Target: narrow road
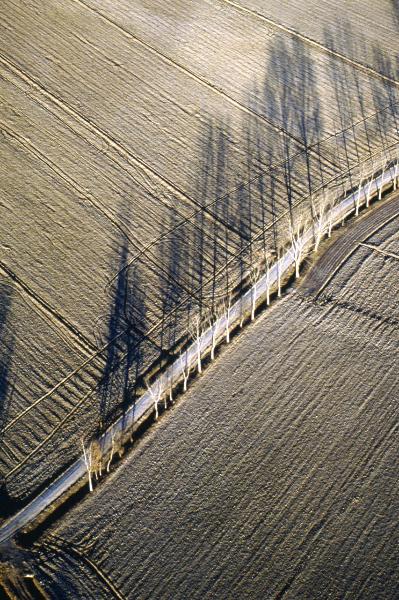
[275, 477]
[328, 264]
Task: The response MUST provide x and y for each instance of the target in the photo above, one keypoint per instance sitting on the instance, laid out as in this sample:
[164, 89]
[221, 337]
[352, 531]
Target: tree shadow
[125, 335]
[290, 100]
[293, 146]
[366, 103]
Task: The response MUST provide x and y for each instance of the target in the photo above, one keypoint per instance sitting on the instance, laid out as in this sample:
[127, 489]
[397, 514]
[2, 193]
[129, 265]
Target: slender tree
[297, 243]
[278, 272]
[320, 221]
[368, 195]
[185, 371]
[227, 310]
[213, 321]
[395, 175]
[255, 273]
[382, 177]
[196, 335]
[156, 397]
[359, 195]
[112, 451]
[267, 267]
[88, 463]
[170, 382]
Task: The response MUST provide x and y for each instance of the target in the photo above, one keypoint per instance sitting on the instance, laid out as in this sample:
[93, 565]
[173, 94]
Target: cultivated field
[146, 146]
[275, 476]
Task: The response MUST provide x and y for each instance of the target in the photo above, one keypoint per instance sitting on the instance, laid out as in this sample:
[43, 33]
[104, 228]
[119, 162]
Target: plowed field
[145, 146]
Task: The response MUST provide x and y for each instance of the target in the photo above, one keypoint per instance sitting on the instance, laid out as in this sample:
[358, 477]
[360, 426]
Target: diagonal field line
[173, 374]
[312, 42]
[376, 249]
[352, 251]
[202, 80]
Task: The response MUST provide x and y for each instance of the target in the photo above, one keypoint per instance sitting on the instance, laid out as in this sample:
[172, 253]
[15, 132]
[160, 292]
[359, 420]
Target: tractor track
[329, 264]
[313, 43]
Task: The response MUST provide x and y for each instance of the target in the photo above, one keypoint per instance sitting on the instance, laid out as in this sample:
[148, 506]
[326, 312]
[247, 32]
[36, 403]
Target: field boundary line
[203, 81]
[61, 545]
[82, 344]
[352, 251]
[376, 249]
[118, 147]
[66, 179]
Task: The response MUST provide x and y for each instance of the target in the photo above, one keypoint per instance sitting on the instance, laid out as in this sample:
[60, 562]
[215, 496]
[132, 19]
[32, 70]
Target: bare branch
[254, 275]
[196, 335]
[227, 308]
[185, 371]
[87, 459]
[297, 242]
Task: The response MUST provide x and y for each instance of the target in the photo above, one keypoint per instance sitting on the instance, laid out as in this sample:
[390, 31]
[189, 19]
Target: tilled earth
[193, 124]
[276, 474]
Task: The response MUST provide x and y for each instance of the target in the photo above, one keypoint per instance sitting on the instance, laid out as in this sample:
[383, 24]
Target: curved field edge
[96, 458]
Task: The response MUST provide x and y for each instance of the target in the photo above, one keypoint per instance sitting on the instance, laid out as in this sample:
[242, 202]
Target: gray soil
[145, 148]
[121, 121]
[275, 475]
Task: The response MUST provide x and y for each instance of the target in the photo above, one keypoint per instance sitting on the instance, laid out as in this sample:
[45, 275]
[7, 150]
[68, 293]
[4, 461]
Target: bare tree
[242, 313]
[297, 243]
[156, 397]
[185, 371]
[279, 273]
[163, 386]
[267, 266]
[358, 195]
[112, 451]
[227, 310]
[254, 275]
[395, 175]
[345, 193]
[368, 196]
[382, 177]
[320, 220]
[214, 338]
[213, 322]
[330, 216]
[88, 463]
[171, 388]
[196, 335]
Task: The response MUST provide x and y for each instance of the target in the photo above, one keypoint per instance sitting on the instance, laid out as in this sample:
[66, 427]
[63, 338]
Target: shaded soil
[148, 153]
[275, 475]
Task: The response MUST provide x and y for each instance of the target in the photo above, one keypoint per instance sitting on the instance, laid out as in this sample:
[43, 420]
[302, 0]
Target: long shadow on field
[125, 336]
[294, 105]
[6, 388]
[173, 260]
[366, 117]
[385, 94]
[287, 166]
[385, 64]
[195, 265]
[217, 166]
[225, 226]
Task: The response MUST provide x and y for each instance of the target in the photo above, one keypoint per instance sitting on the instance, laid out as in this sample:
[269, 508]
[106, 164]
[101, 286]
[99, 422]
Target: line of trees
[304, 234]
